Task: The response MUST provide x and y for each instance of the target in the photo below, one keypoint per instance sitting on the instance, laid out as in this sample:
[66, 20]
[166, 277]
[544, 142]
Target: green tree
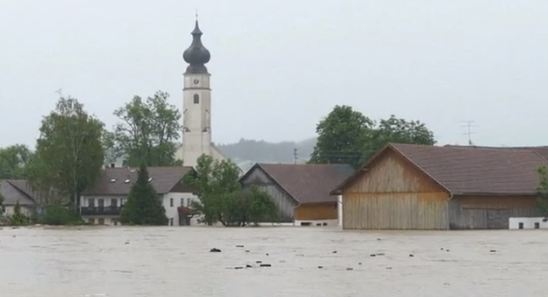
[397, 131]
[347, 136]
[542, 199]
[221, 197]
[143, 206]
[13, 161]
[341, 136]
[69, 153]
[148, 131]
[18, 218]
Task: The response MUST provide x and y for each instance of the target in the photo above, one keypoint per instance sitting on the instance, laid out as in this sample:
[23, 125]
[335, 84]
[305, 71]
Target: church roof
[196, 55]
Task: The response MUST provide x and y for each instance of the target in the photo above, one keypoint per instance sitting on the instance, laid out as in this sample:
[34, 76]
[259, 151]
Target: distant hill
[247, 152]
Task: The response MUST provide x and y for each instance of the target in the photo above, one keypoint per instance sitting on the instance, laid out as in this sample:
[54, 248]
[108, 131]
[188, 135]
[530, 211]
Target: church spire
[196, 55]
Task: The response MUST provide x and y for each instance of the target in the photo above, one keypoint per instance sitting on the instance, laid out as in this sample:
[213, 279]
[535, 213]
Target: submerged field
[119, 262]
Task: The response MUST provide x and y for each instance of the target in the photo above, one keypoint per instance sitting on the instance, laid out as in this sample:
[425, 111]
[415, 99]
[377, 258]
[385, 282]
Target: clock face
[196, 81]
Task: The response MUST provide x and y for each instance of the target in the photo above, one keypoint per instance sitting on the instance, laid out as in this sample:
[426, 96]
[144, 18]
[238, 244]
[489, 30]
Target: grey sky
[278, 67]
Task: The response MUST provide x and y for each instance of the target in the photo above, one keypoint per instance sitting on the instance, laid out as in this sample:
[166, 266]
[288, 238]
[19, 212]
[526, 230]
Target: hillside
[248, 152]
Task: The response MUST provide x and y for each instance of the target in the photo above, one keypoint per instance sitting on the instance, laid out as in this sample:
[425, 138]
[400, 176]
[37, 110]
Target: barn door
[498, 218]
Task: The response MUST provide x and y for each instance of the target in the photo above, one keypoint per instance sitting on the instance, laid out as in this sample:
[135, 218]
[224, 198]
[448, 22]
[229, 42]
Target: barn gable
[392, 193]
[391, 172]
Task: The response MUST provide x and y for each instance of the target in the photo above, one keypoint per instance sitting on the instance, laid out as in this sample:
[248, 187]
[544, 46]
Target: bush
[18, 219]
[60, 215]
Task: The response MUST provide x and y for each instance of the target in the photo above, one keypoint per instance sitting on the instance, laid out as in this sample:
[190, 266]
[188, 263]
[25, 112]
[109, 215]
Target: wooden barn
[300, 191]
[408, 186]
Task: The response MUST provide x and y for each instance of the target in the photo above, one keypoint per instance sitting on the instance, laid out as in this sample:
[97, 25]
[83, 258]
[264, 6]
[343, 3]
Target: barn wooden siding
[316, 211]
[480, 212]
[394, 195]
[283, 201]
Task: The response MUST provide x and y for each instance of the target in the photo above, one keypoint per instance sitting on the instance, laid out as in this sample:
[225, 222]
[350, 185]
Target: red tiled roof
[307, 183]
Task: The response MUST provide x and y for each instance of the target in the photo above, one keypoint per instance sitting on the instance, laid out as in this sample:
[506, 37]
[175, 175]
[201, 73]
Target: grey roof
[469, 170]
[118, 181]
[306, 183]
[196, 55]
[17, 190]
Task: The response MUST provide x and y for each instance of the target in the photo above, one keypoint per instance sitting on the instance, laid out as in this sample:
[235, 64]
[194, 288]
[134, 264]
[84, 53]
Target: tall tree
[69, 153]
[347, 136]
[148, 131]
[341, 136]
[396, 130]
[143, 206]
[13, 160]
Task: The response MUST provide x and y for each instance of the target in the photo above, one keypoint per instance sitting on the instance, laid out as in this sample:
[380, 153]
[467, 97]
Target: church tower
[197, 103]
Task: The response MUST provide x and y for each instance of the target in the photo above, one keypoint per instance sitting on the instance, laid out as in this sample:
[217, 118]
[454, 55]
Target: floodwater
[164, 262]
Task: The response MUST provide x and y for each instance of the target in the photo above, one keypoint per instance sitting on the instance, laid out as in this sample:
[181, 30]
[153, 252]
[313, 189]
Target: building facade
[197, 132]
[18, 191]
[427, 187]
[102, 203]
[300, 191]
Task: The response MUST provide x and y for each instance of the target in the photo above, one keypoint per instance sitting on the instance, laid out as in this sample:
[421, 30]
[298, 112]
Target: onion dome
[196, 55]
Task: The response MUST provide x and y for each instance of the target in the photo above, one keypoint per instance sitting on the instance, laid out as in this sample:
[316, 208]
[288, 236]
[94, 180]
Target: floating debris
[248, 266]
[265, 265]
[214, 250]
[238, 267]
[239, 245]
[334, 252]
[380, 254]
[258, 262]
[349, 268]
[411, 255]
[320, 267]
[372, 255]
[247, 251]
[492, 251]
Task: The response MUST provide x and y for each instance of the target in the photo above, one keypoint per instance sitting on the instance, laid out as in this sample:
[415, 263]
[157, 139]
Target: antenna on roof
[468, 125]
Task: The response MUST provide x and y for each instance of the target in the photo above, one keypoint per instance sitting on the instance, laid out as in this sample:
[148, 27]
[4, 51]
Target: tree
[69, 153]
[341, 136]
[143, 206]
[542, 199]
[147, 131]
[397, 131]
[347, 136]
[13, 161]
[221, 197]
[18, 218]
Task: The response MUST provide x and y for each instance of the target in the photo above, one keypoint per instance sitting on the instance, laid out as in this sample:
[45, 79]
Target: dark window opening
[305, 224]
[171, 202]
[537, 225]
[196, 99]
[520, 225]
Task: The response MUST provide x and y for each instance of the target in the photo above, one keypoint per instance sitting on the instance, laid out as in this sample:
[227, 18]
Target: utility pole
[295, 155]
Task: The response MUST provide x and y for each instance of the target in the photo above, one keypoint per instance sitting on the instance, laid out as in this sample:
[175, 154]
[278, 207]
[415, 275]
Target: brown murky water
[119, 262]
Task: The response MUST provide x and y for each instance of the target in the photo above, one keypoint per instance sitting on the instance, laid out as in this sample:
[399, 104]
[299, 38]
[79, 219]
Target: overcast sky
[278, 67]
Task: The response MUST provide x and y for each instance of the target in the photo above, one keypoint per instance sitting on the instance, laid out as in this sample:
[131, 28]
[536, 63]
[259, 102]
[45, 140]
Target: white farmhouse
[102, 203]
